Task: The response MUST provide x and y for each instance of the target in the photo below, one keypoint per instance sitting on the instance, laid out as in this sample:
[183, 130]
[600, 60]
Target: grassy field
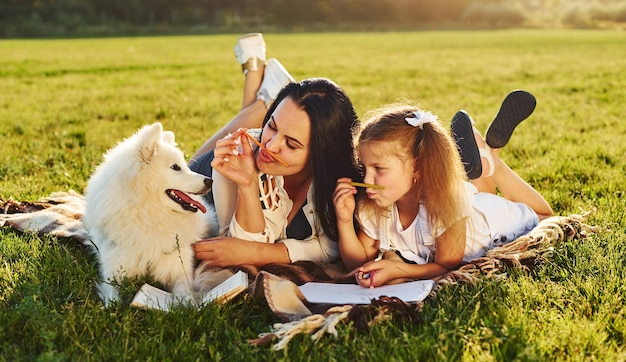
[64, 102]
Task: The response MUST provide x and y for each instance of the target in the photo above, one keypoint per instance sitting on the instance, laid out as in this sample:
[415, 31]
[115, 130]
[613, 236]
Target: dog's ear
[149, 138]
[168, 137]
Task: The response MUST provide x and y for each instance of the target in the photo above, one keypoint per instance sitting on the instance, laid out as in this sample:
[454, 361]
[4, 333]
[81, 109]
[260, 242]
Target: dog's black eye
[175, 167]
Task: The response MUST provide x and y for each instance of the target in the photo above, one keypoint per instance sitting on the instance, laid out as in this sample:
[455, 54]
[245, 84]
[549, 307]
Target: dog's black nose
[208, 183]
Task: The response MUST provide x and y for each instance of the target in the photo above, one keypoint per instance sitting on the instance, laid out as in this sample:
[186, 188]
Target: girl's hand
[343, 199]
[377, 273]
[237, 165]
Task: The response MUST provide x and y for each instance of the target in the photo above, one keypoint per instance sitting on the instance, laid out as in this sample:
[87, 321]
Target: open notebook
[150, 297]
[409, 292]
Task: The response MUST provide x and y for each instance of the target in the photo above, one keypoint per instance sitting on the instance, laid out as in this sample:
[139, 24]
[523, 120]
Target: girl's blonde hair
[441, 174]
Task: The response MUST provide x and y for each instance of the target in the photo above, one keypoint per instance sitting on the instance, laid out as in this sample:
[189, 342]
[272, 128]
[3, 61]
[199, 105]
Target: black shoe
[463, 133]
[515, 108]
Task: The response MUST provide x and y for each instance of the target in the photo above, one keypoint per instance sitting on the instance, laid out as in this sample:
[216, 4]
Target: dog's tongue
[191, 201]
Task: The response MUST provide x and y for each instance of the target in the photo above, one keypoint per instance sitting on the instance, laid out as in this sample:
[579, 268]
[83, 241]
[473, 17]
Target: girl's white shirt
[317, 247]
[491, 220]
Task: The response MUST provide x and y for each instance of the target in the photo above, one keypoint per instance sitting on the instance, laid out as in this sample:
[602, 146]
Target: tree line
[73, 17]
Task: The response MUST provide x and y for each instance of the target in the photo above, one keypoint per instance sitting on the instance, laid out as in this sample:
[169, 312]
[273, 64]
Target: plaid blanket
[60, 215]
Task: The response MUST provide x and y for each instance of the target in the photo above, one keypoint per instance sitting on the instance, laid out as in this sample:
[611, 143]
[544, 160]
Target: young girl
[426, 212]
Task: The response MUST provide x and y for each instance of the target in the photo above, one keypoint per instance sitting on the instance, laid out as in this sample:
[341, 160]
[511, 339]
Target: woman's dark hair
[334, 124]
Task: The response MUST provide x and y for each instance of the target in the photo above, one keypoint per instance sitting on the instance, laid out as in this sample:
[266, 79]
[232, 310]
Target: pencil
[266, 150]
[360, 184]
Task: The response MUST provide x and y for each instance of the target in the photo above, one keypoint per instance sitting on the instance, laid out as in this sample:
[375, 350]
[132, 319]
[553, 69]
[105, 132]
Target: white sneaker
[275, 78]
[250, 51]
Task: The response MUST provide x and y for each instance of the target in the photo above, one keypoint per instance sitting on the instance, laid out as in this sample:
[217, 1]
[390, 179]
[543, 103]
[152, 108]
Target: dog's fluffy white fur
[144, 210]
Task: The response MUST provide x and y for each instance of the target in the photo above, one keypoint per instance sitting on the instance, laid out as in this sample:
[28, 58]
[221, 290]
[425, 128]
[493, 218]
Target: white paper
[228, 289]
[409, 292]
[154, 298]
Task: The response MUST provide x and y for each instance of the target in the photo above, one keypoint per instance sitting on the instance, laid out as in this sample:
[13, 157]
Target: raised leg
[511, 186]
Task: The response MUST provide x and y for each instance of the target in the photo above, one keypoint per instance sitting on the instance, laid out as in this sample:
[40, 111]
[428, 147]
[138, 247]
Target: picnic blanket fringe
[533, 248]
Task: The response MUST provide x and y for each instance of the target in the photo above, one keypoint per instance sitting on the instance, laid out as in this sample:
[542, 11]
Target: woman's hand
[224, 251]
[237, 165]
[343, 198]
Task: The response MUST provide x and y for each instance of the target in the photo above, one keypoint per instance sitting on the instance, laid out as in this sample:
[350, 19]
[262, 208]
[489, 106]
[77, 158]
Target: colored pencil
[274, 156]
[360, 184]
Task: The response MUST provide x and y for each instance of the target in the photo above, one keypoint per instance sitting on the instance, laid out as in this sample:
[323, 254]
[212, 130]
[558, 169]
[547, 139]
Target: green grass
[64, 102]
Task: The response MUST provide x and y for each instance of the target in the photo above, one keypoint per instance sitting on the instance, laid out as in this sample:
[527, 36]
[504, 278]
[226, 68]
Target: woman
[310, 126]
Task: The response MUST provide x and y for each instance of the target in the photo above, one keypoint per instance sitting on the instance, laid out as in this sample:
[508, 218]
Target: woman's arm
[317, 247]
[239, 167]
[228, 251]
[224, 200]
[249, 213]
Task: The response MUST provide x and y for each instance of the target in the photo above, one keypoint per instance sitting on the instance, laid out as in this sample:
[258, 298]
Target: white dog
[144, 210]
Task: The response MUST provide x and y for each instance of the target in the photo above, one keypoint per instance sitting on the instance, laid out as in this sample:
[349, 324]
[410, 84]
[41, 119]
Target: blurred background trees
[32, 18]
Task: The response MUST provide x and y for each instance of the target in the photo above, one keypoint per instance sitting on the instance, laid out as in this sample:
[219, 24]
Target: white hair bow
[420, 118]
